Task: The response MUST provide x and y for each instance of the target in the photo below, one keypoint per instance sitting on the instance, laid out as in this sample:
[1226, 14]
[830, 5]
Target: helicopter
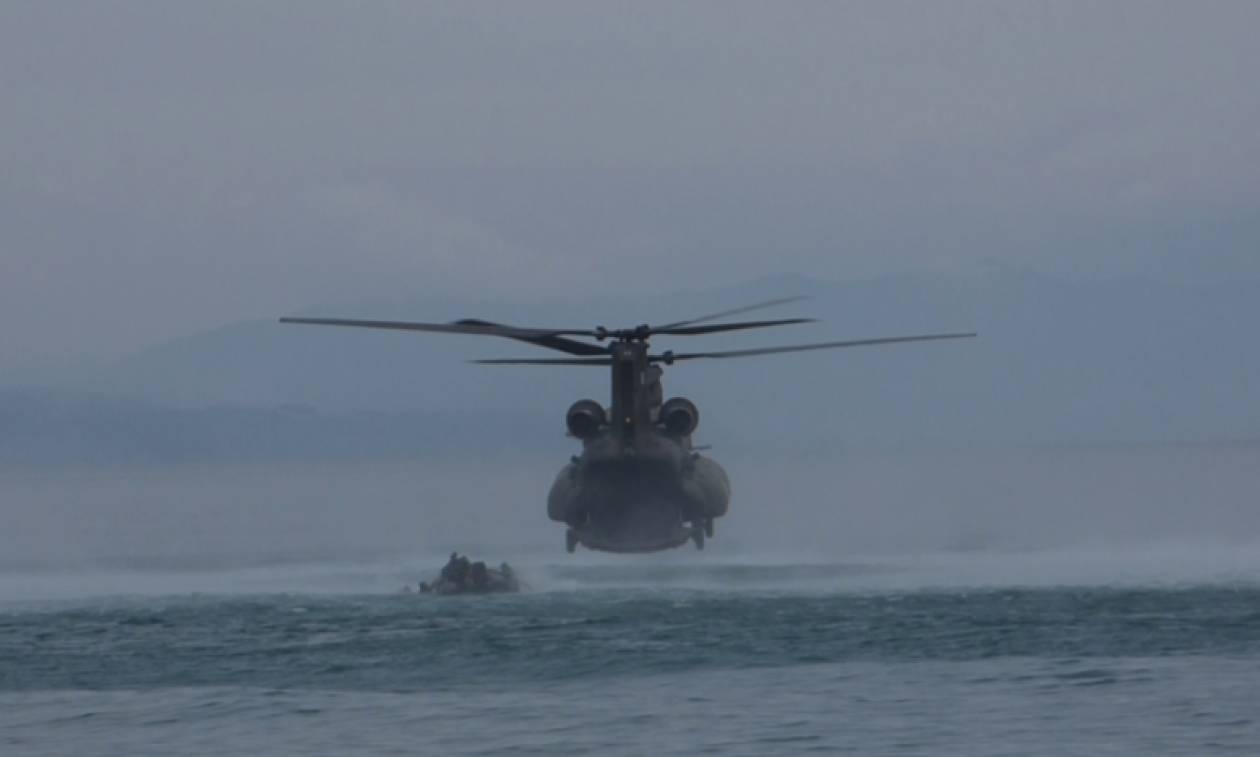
[639, 484]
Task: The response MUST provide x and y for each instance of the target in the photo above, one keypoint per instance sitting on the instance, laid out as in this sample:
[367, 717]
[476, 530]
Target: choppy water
[636, 657]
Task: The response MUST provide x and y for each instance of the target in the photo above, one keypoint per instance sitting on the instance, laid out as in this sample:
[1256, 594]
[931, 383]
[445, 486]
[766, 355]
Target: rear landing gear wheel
[570, 540]
[697, 536]
[708, 527]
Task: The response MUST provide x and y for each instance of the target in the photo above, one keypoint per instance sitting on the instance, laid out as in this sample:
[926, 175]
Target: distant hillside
[41, 427]
[1125, 360]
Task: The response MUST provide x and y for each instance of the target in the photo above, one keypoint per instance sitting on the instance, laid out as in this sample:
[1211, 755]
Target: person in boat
[450, 571]
[478, 577]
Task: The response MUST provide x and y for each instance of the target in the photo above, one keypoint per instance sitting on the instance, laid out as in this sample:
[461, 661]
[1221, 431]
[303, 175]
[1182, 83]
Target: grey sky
[169, 167]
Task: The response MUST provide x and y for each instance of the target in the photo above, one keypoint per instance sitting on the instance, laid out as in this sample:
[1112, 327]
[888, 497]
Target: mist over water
[1038, 516]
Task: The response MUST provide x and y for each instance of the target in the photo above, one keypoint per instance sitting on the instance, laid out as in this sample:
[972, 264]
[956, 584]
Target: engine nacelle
[679, 416]
[585, 418]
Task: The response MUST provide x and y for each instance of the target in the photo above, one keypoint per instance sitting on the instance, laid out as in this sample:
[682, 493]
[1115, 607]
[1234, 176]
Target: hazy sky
[169, 167]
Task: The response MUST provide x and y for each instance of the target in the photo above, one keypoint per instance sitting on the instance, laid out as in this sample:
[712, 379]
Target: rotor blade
[546, 361]
[671, 357]
[444, 328]
[733, 311]
[559, 343]
[737, 326]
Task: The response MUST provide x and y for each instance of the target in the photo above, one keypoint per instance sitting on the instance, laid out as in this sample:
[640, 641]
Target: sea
[186, 613]
[948, 655]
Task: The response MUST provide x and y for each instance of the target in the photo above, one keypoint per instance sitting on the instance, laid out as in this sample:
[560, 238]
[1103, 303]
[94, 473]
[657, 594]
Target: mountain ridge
[1056, 361]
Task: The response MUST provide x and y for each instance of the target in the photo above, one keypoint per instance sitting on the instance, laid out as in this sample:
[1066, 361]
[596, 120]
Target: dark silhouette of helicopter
[639, 484]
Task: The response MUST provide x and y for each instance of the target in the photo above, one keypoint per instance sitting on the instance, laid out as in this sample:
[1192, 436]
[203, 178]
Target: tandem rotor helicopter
[639, 484]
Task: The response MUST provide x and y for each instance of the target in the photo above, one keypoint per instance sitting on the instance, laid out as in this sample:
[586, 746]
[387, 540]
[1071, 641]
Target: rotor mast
[634, 392]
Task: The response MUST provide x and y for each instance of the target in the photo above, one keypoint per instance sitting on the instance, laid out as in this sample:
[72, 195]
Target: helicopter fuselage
[654, 495]
[638, 485]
